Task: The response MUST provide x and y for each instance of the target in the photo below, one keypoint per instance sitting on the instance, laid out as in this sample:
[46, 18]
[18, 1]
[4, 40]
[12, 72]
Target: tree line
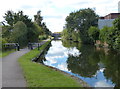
[21, 29]
[82, 26]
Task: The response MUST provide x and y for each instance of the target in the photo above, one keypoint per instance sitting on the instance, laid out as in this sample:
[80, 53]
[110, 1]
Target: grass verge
[38, 75]
[5, 53]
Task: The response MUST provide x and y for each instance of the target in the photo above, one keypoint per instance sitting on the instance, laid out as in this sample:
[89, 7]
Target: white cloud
[60, 8]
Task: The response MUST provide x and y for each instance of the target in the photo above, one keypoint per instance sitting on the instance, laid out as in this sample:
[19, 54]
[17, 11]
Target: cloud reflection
[102, 83]
[57, 55]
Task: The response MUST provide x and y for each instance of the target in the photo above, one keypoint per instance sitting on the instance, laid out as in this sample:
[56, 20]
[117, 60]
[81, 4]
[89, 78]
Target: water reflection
[98, 67]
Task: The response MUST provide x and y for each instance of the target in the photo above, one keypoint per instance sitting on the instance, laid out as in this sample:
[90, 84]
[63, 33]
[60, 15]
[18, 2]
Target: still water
[97, 66]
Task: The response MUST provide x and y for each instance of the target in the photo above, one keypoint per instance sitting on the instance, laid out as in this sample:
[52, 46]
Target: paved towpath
[12, 75]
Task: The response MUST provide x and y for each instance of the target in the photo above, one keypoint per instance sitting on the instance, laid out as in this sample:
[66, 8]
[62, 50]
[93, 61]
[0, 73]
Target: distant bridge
[56, 35]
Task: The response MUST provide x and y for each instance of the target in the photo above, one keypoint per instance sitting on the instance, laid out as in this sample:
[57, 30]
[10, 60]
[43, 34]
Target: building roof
[111, 16]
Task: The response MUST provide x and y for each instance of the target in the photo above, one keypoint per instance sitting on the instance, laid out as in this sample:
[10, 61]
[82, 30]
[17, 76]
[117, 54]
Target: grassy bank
[5, 53]
[38, 75]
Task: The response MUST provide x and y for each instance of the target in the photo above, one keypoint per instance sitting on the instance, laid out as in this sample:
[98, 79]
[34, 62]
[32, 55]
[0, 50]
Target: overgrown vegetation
[38, 75]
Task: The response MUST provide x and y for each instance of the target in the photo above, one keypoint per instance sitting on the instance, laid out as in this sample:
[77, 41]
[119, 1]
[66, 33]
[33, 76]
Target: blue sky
[54, 12]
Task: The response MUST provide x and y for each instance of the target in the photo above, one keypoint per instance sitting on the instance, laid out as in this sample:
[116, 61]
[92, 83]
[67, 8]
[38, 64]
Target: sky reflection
[57, 56]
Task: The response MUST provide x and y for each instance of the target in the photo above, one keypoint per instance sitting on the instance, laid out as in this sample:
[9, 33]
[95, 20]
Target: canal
[99, 67]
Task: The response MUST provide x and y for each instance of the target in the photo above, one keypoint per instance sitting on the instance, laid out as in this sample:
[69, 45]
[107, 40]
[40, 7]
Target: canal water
[97, 66]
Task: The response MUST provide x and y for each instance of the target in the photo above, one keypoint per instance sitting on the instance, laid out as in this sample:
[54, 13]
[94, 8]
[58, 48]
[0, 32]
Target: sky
[54, 12]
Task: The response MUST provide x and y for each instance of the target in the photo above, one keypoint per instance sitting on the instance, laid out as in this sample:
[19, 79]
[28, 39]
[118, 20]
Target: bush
[42, 37]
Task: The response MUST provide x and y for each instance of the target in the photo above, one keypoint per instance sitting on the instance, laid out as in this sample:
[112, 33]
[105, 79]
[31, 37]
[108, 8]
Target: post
[38, 46]
[31, 47]
[18, 47]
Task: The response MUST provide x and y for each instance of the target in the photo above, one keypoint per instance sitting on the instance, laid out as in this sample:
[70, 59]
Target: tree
[38, 18]
[9, 17]
[46, 30]
[81, 21]
[32, 29]
[94, 33]
[104, 34]
[19, 33]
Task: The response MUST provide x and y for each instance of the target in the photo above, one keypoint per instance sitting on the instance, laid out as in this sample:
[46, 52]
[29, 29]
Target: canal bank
[38, 75]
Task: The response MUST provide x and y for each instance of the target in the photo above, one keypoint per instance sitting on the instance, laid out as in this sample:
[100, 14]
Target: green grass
[5, 53]
[38, 75]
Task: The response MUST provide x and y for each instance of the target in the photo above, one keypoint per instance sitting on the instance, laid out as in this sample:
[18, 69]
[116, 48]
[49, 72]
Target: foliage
[38, 18]
[6, 33]
[93, 33]
[34, 32]
[46, 30]
[9, 17]
[76, 36]
[81, 21]
[21, 29]
[42, 37]
[111, 35]
[19, 33]
[104, 33]
[12, 18]
[65, 34]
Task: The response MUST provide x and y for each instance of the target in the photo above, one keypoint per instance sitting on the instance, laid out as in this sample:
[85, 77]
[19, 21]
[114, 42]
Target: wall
[105, 22]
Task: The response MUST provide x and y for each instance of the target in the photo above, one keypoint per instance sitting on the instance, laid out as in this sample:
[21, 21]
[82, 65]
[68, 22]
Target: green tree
[32, 29]
[81, 21]
[94, 33]
[38, 18]
[6, 33]
[104, 33]
[65, 34]
[19, 33]
[12, 18]
[113, 38]
[9, 17]
[46, 30]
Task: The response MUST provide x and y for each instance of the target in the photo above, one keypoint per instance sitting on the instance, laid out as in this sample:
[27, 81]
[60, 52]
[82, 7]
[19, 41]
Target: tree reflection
[92, 59]
[112, 69]
[86, 64]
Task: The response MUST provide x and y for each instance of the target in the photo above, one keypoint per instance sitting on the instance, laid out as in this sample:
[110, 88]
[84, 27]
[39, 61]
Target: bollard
[38, 46]
[31, 47]
[18, 47]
